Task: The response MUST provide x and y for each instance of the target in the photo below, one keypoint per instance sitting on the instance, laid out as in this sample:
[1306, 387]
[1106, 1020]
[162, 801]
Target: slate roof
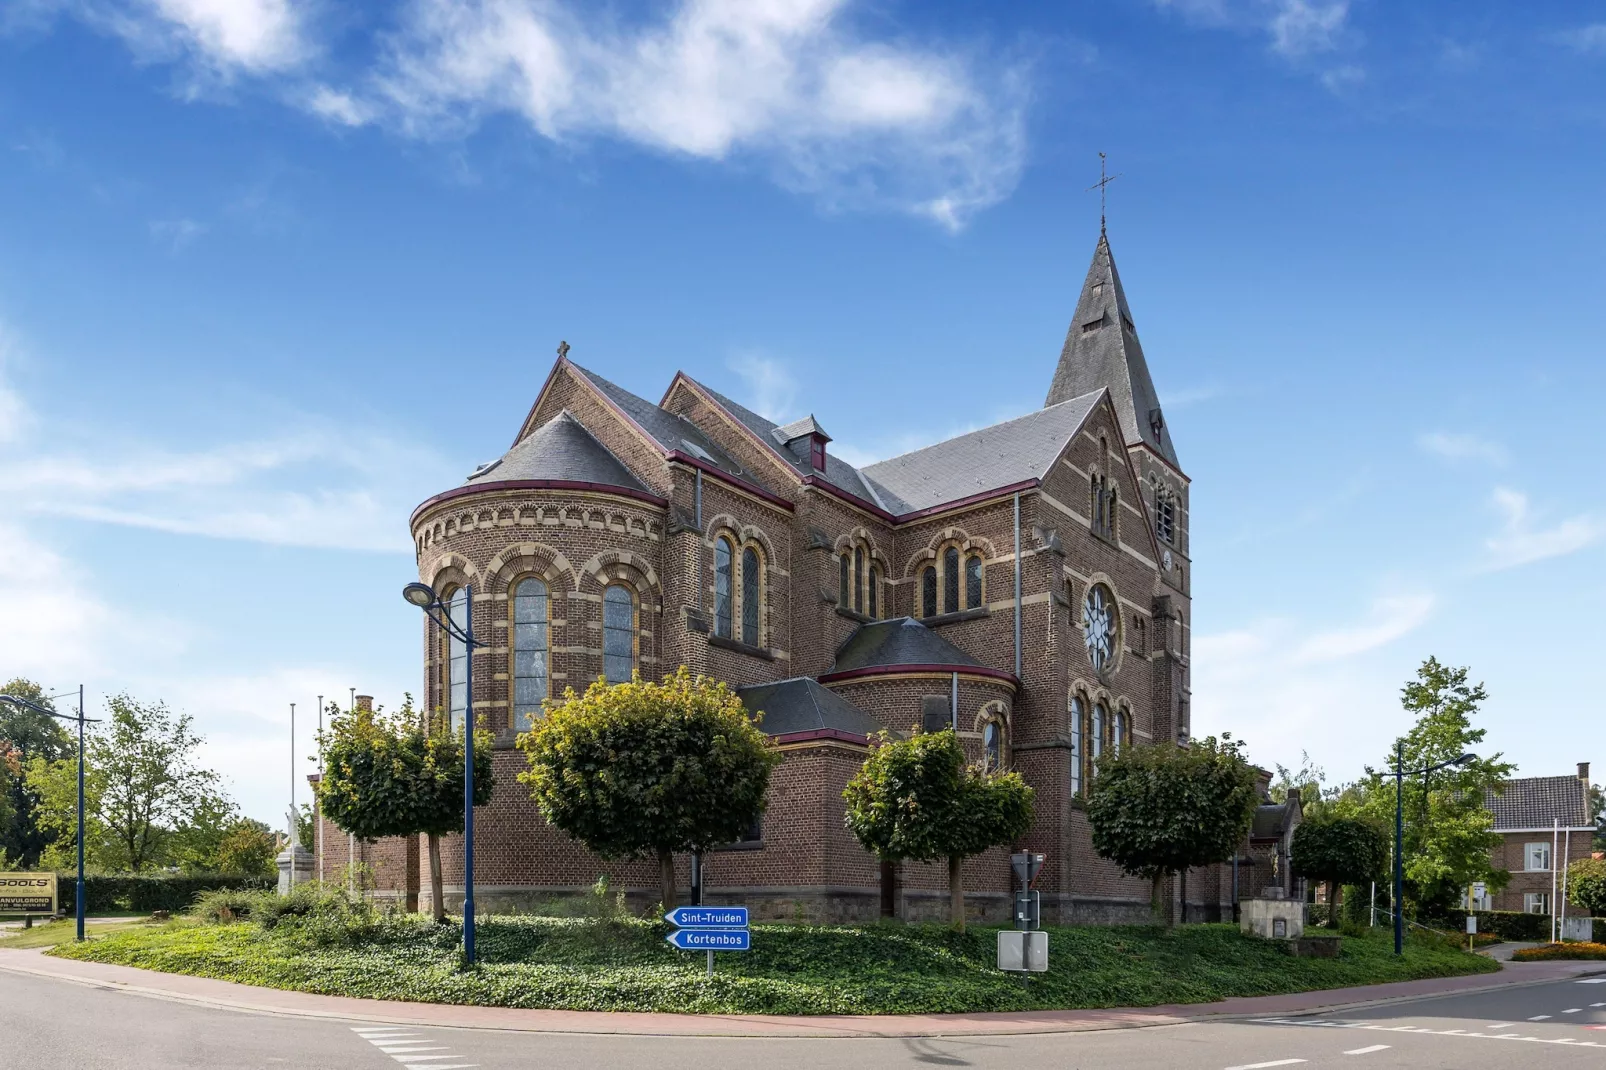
[802, 705]
[900, 641]
[1536, 802]
[670, 430]
[997, 456]
[808, 425]
[838, 473]
[562, 448]
[1109, 355]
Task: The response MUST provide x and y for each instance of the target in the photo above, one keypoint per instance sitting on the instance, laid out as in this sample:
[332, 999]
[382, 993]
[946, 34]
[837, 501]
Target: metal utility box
[1023, 952]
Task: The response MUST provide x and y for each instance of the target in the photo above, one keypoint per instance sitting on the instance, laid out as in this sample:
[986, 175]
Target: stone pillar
[296, 860]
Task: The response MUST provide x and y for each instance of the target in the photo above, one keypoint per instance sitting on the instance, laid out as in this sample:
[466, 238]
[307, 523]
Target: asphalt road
[57, 1025]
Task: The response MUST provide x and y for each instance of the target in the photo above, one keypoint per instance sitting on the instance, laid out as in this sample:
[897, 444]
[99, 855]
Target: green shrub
[1506, 924]
[142, 893]
[223, 906]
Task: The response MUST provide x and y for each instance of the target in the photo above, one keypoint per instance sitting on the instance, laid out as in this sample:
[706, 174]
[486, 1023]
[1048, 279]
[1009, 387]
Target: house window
[817, 453]
[1536, 902]
[1118, 736]
[928, 591]
[973, 581]
[1097, 734]
[722, 586]
[992, 746]
[457, 661]
[752, 595]
[1536, 857]
[950, 577]
[1077, 713]
[618, 634]
[530, 669]
[858, 580]
[874, 600]
[845, 580]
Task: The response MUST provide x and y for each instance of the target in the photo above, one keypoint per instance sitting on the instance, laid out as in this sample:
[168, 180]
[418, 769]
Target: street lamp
[1400, 773]
[424, 597]
[22, 703]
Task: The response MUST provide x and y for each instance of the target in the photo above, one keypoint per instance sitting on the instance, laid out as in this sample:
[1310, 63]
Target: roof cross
[1101, 185]
[563, 350]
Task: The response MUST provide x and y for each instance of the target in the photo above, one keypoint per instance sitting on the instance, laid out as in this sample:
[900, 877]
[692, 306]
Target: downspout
[1017, 586]
[953, 703]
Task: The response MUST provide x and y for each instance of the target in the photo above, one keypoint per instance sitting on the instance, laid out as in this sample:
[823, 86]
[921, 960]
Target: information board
[27, 893]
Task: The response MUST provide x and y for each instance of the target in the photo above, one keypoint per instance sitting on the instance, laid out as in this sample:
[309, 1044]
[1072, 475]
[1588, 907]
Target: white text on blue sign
[708, 917]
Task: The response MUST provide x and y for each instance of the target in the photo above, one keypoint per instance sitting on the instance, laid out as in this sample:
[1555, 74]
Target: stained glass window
[928, 591]
[1077, 714]
[950, 576]
[752, 597]
[722, 587]
[530, 668]
[618, 634]
[973, 581]
[457, 660]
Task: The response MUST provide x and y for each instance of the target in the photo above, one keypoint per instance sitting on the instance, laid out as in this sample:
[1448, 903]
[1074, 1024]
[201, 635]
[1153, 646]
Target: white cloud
[1392, 617]
[338, 106]
[1295, 28]
[1463, 447]
[176, 233]
[771, 388]
[785, 82]
[1590, 40]
[1520, 543]
[222, 37]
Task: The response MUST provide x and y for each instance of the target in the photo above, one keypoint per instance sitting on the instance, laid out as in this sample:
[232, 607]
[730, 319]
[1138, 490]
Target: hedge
[145, 892]
[1506, 924]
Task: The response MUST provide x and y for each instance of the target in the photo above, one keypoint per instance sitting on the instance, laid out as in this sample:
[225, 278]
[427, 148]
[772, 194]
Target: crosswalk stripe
[1262, 1066]
[1369, 1050]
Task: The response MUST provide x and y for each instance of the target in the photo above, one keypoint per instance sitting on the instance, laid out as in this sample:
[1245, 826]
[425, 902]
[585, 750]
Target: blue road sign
[711, 939]
[708, 917]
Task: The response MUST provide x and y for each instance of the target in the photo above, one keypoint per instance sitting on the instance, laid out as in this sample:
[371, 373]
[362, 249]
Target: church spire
[1102, 350]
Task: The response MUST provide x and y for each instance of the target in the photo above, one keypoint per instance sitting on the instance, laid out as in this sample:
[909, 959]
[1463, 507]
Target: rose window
[1099, 627]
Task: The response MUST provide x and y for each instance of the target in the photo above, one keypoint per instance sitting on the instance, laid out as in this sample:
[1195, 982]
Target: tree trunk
[1162, 909]
[666, 877]
[1182, 907]
[437, 903]
[956, 892]
[1332, 904]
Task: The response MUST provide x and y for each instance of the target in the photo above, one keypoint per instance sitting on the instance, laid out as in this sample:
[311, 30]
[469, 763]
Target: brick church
[1026, 583]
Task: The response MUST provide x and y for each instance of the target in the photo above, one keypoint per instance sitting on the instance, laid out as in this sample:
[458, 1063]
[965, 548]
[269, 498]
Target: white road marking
[1500, 1025]
[399, 1046]
[1262, 1066]
[1368, 1051]
[1423, 1030]
[1572, 1010]
[1598, 1004]
[1593, 981]
[1539, 1017]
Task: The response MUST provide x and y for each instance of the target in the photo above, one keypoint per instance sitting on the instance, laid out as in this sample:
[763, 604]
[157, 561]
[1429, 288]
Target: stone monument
[295, 861]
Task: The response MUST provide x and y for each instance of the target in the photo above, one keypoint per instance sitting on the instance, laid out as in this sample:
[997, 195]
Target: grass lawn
[792, 969]
[51, 933]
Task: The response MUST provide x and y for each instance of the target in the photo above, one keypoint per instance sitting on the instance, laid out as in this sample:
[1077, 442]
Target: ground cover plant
[623, 964]
[1554, 952]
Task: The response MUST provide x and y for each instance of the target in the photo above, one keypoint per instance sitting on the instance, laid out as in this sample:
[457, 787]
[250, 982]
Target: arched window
[874, 601]
[1096, 746]
[1118, 737]
[752, 595]
[845, 581]
[1078, 712]
[992, 746]
[858, 579]
[457, 660]
[950, 577]
[530, 669]
[722, 587]
[1095, 501]
[1165, 513]
[973, 581]
[1112, 514]
[618, 633]
[928, 591]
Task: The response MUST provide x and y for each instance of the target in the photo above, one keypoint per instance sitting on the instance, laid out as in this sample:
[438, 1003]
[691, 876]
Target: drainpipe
[1017, 585]
[953, 703]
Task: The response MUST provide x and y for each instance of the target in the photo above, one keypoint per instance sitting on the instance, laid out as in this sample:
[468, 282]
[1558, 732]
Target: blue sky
[273, 271]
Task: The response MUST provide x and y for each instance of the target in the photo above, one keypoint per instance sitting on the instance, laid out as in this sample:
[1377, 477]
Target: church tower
[1102, 351]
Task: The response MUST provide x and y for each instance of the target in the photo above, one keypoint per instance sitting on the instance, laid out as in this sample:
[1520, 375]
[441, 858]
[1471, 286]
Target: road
[47, 1024]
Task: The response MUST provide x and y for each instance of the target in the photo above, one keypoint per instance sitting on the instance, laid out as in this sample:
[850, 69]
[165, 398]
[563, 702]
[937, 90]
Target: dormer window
[817, 452]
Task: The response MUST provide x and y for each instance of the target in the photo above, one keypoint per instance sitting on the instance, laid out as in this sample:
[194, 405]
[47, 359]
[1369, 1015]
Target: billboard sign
[27, 893]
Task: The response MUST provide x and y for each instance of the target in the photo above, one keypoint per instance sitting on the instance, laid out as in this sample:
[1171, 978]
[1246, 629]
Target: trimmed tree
[645, 770]
[400, 775]
[1160, 809]
[915, 799]
[1339, 851]
[1586, 885]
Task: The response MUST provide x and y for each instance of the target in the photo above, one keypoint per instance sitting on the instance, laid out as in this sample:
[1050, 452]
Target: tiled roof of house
[1102, 350]
[900, 641]
[1540, 801]
[560, 449]
[669, 430]
[998, 456]
[802, 705]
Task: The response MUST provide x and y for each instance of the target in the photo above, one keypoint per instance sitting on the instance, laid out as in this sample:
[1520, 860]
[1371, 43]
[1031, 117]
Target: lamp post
[22, 703]
[1400, 773]
[423, 596]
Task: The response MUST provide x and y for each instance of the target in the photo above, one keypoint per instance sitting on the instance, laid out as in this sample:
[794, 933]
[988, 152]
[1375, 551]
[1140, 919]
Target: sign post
[1026, 949]
[1472, 929]
[710, 929]
[29, 894]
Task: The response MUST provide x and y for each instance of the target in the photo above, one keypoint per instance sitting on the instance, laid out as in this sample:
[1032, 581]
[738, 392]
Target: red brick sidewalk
[203, 990]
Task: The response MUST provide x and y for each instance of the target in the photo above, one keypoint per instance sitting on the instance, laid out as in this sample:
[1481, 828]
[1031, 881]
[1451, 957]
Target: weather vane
[1101, 185]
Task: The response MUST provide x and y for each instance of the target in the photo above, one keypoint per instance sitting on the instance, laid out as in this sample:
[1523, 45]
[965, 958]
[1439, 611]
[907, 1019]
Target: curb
[506, 1019]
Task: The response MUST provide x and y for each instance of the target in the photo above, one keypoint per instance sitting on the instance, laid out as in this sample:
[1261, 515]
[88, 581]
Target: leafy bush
[224, 906]
[1555, 952]
[792, 969]
[1586, 884]
[142, 893]
[319, 915]
[1506, 924]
